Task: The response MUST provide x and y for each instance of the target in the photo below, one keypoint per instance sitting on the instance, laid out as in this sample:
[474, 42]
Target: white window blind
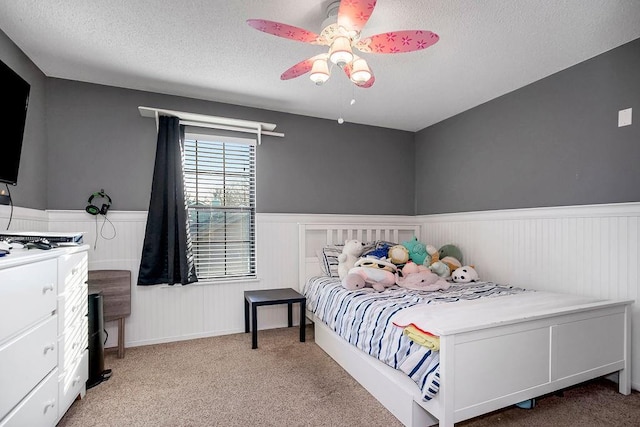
[220, 188]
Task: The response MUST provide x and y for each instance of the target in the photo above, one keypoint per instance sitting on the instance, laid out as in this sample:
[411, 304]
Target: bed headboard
[313, 237]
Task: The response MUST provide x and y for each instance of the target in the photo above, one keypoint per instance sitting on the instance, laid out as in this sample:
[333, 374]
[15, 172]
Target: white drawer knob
[49, 404]
[76, 380]
[48, 287]
[74, 271]
[49, 347]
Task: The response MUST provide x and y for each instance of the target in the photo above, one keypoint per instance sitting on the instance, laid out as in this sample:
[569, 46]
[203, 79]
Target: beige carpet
[220, 381]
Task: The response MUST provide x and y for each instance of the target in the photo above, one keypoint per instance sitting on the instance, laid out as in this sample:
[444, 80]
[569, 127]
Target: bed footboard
[494, 367]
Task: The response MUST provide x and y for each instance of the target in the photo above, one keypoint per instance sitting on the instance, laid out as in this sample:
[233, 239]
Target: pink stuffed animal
[424, 280]
[359, 277]
[412, 267]
[377, 273]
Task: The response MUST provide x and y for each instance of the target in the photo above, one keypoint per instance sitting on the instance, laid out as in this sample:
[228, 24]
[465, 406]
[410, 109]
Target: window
[220, 188]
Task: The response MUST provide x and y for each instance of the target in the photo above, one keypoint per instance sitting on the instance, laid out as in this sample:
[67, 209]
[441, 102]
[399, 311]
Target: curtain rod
[214, 122]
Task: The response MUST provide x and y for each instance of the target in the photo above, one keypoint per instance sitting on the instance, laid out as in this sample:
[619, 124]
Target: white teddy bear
[350, 253]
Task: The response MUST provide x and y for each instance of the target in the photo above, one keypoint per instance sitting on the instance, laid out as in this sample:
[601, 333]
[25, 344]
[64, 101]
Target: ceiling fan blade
[347, 70]
[283, 30]
[354, 14]
[398, 41]
[302, 67]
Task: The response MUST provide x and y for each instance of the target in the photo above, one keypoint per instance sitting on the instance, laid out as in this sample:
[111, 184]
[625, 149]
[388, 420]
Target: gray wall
[97, 139]
[555, 142]
[31, 190]
[552, 143]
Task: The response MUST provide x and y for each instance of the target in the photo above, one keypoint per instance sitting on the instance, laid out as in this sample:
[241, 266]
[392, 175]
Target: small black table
[254, 299]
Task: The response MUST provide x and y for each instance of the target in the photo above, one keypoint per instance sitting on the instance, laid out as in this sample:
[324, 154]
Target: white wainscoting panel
[582, 250]
[171, 313]
[22, 219]
[586, 250]
[115, 243]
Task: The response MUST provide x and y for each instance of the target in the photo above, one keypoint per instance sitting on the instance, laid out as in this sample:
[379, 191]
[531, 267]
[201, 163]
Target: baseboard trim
[166, 340]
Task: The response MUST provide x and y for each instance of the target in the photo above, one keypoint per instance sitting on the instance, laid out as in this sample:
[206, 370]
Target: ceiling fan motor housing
[332, 15]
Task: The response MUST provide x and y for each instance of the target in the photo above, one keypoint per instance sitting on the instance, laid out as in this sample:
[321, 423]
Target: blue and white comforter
[363, 318]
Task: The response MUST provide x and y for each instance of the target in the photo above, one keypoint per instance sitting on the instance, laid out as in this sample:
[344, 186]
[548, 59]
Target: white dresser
[43, 334]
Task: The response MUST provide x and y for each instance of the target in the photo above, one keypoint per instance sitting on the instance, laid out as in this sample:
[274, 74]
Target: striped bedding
[363, 318]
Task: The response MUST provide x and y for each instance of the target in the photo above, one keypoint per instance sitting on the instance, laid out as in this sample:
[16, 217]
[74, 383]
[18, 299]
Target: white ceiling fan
[341, 31]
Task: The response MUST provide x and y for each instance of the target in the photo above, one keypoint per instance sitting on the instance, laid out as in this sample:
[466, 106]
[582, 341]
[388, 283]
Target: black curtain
[166, 252]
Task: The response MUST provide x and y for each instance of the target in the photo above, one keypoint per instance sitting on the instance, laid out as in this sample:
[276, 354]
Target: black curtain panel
[166, 253]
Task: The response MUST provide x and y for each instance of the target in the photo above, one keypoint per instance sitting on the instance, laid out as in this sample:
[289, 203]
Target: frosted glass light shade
[340, 52]
[319, 71]
[360, 72]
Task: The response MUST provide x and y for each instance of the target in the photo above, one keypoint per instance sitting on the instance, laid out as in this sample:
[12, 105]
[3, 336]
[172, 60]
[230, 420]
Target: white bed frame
[487, 364]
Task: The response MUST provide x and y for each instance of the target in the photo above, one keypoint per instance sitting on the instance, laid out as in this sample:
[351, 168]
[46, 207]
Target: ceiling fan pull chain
[340, 103]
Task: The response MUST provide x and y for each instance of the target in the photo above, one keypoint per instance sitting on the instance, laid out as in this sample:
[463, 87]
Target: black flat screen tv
[13, 102]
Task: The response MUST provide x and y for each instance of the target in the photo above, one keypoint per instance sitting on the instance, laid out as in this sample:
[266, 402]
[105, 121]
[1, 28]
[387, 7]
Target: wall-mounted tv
[13, 102]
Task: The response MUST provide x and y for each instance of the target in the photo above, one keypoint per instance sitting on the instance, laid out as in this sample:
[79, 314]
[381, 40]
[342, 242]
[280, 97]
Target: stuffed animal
[368, 271]
[350, 253]
[353, 281]
[380, 251]
[417, 250]
[412, 267]
[424, 280]
[379, 263]
[440, 268]
[398, 254]
[465, 274]
[432, 255]
[451, 262]
[450, 250]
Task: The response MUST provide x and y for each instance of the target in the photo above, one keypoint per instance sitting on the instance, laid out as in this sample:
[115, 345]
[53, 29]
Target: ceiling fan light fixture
[340, 52]
[341, 32]
[319, 71]
[360, 71]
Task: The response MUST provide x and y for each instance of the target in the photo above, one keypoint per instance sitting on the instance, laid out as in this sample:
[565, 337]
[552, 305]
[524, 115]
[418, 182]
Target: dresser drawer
[73, 382]
[28, 295]
[72, 343]
[72, 271]
[72, 306]
[39, 408]
[25, 361]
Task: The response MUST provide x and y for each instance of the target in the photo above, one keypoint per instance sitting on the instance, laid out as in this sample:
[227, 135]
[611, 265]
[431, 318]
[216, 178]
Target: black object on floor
[97, 373]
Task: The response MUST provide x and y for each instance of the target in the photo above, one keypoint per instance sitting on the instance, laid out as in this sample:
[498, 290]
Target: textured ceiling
[204, 49]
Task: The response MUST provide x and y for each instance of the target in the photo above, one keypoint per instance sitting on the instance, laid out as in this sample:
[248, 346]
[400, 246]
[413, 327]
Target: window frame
[251, 259]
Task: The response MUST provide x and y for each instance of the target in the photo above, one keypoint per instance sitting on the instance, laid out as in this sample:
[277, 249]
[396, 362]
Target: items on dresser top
[52, 236]
[43, 244]
[9, 245]
[6, 246]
